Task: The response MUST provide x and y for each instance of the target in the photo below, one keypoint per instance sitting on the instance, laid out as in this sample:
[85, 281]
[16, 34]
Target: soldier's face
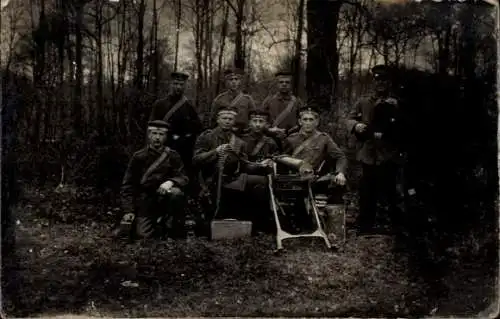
[157, 136]
[233, 82]
[284, 83]
[258, 123]
[381, 85]
[226, 120]
[308, 121]
[177, 87]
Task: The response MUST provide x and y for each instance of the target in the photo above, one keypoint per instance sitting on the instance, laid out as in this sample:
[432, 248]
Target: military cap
[259, 112]
[226, 110]
[310, 107]
[233, 71]
[380, 71]
[283, 73]
[159, 124]
[179, 76]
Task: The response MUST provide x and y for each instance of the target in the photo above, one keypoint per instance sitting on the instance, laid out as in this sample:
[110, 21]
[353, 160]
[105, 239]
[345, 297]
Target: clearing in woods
[77, 267]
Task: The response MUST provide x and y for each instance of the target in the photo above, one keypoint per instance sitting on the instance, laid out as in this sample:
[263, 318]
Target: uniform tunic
[371, 152]
[322, 148]
[268, 148]
[206, 158]
[185, 125]
[276, 104]
[244, 105]
[133, 191]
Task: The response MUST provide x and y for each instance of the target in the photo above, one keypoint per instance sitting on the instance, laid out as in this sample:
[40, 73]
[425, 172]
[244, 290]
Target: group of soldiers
[229, 161]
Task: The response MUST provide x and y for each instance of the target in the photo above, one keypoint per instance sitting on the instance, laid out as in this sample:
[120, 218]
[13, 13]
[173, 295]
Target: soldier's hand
[222, 148]
[377, 135]
[340, 179]
[267, 162]
[165, 187]
[391, 101]
[276, 130]
[360, 127]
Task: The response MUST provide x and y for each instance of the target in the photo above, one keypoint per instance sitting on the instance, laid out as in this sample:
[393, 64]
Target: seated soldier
[220, 148]
[310, 149]
[260, 150]
[152, 186]
[259, 146]
[216, 148]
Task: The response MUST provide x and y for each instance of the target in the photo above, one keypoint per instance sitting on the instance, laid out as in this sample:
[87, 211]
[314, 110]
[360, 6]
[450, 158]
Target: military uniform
[259, 147]
[379, 158]
[185, 124]
[277, 104]
[244, 103]
[315, 148]
[234, 99]
[147, 170]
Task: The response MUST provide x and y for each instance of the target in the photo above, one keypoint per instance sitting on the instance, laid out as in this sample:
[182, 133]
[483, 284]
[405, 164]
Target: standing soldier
[377, 154]
[235, 98]
[283, 107]
[153, 186]
[178, 111]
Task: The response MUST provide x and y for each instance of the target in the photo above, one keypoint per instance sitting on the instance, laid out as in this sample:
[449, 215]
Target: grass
[79, 268]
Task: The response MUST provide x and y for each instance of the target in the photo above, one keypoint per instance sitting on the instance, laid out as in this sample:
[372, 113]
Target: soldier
[178, 111]
[314, 149]
[377, 154]
[283, 107]
[153, 186]
[260, 150]
[260, 146]
[220, 148]
[234, 98]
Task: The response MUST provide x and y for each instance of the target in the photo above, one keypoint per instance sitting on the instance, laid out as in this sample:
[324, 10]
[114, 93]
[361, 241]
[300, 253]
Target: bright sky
[4, 3]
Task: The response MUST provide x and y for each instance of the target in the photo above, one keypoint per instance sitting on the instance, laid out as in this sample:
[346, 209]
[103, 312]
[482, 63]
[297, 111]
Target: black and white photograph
[249, 158]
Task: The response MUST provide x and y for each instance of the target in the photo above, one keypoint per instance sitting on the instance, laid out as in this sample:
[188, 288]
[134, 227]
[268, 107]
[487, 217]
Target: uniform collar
[155, 151]
[302, 133]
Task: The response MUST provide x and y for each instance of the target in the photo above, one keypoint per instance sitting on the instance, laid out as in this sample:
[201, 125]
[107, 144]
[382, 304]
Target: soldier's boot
[125, 228]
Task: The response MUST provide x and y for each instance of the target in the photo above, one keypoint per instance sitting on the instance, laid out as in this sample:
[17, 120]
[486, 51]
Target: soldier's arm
[251, 103]
[266, 103]
[179, 176]
[202, 152]
[336, 154]
[195, 123]
[213, 112]
[354, 116]
[129, 186]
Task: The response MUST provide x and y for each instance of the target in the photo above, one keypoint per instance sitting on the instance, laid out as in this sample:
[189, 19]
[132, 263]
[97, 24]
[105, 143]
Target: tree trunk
[156, 62]
[77, 98]
[297, 61]
[99, 96]
[239, 50]
[139, 63]
[322, 82]
[222, 47]
[177, 31]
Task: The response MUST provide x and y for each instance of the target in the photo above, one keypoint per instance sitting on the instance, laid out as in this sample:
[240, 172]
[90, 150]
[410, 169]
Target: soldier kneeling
[152, 187]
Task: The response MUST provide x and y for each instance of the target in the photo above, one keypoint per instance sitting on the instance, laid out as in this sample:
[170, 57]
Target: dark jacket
[171, 169]
[369, 151]
[322, 148]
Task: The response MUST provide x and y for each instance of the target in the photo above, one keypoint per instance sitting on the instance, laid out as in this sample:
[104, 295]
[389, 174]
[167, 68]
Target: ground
[66, 264]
